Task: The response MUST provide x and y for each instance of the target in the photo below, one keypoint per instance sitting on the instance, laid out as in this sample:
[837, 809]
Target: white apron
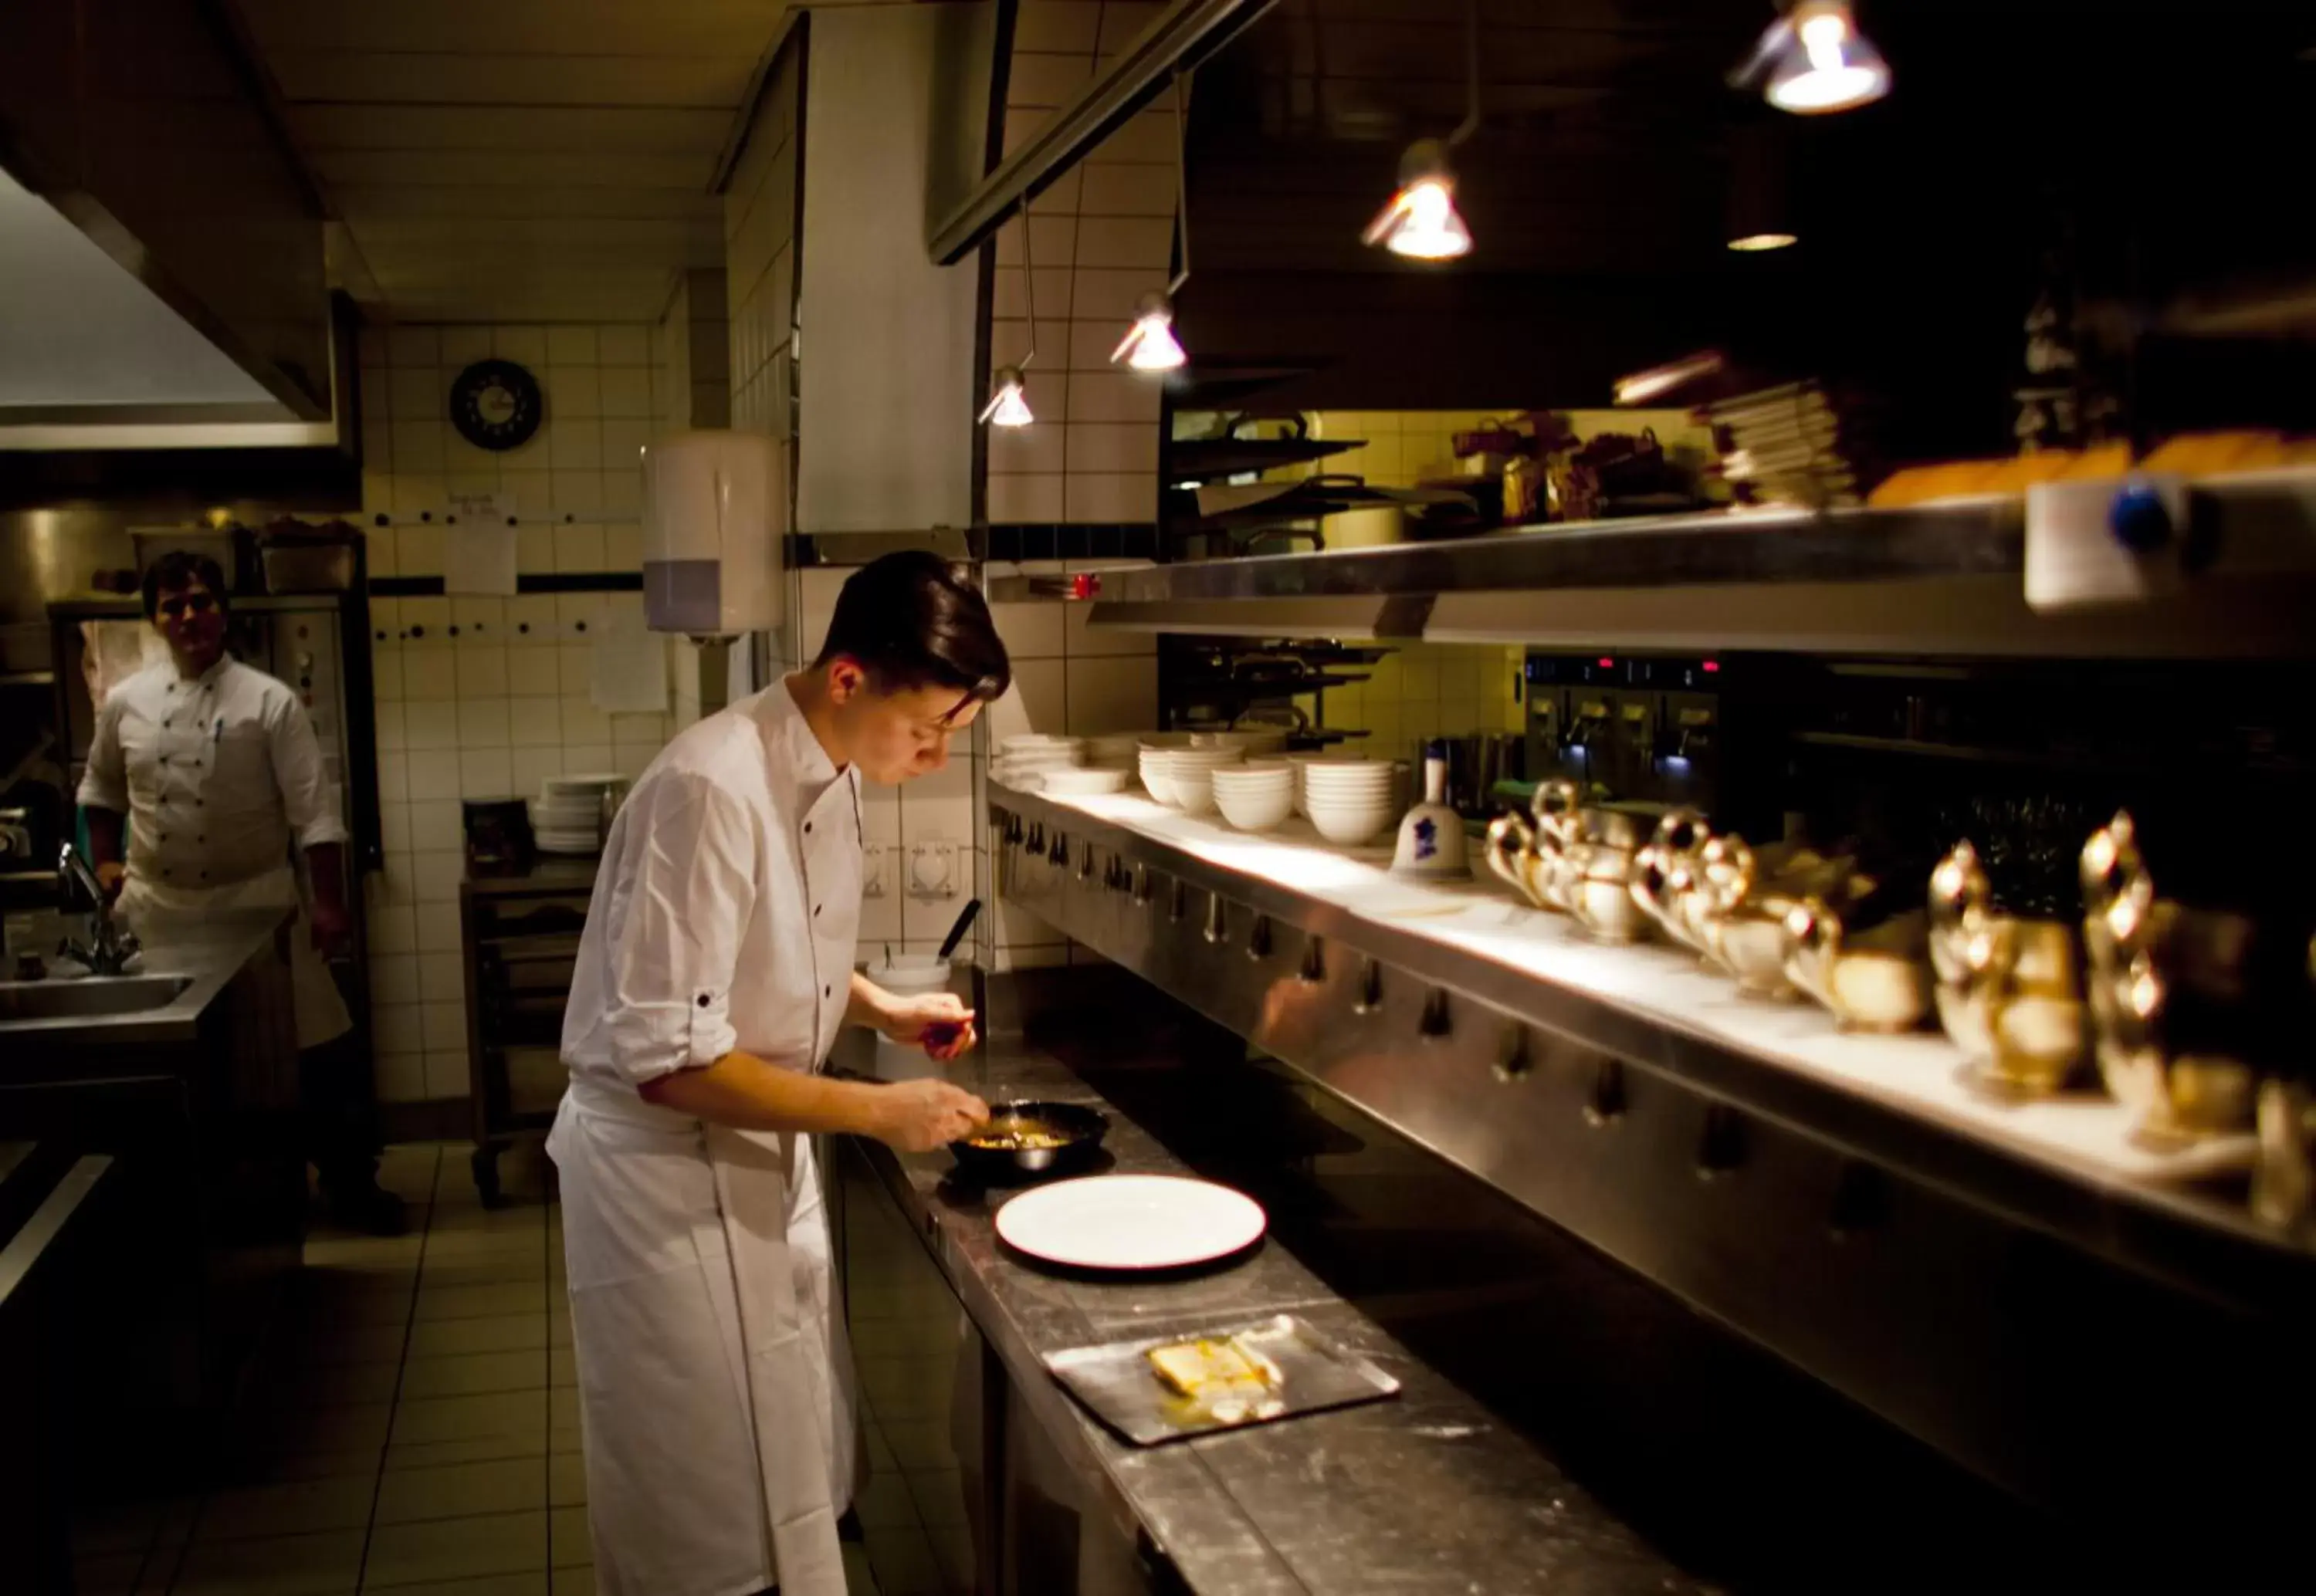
[157, 913]
[715, 1384]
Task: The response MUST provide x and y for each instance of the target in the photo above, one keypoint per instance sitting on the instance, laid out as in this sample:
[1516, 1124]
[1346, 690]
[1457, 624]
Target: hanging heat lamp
[1009, 400]
[1812, 60]
[1149, 345]
[1009, 389]
[1421, 222]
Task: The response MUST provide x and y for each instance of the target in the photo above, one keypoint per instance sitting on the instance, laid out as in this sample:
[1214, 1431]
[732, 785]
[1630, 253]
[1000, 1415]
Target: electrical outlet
[932, 870]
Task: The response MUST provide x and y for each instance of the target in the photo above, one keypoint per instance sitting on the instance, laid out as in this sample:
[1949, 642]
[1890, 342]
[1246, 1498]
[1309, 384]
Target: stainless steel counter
[206, 960]
[1427, 1493]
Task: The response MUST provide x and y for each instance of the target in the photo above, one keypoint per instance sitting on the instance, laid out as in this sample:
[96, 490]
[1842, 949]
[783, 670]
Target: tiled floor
[411, 1425]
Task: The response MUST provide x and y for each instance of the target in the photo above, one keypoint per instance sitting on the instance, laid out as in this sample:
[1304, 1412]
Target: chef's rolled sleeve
[105, 783]
[307, 801]
[690, 885]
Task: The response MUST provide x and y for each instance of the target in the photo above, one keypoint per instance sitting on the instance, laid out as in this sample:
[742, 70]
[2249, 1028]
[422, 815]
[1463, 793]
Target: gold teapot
[1666, 879]
[2009, 990]
[1748, 893]
[1877, 979]
[1530, 854]
[2154, 963]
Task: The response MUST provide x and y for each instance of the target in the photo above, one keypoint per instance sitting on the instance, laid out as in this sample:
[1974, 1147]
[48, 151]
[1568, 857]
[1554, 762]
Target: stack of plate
[1114, 751]
[1783, 446]
[1350, 800]
[1183, 777]
[570, 812]
[1090, 781]
[1256, 743]
[1022, 762]
[1145, 751]
[1255, 796]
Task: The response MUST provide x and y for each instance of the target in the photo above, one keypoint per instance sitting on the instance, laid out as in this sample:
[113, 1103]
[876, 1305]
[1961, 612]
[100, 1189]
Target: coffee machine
[1636, 727]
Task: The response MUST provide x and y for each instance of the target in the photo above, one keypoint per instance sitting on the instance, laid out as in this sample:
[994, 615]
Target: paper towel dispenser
[715, 521]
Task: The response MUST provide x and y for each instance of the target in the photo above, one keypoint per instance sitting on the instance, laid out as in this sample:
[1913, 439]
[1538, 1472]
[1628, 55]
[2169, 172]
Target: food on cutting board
[1230, 1379]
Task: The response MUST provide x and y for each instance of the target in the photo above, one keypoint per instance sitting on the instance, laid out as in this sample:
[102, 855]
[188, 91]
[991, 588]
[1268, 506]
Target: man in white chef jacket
[714, 974]
[212, 769]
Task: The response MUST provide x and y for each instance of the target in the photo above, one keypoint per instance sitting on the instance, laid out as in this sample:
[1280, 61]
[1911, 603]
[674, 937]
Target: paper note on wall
[478, 559]
[630, 675]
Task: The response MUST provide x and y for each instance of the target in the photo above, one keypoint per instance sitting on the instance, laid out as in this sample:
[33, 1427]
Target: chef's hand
[333, 932]
[919, 1116]
[108, 877]
[938, 1022]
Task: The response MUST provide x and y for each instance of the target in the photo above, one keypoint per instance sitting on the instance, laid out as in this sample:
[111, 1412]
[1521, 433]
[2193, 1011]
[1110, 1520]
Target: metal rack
[1969, 1289]
[522, 937]
[2231, 580]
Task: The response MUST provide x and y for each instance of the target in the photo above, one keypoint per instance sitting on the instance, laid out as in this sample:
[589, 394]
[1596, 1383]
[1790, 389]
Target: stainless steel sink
[93, 996]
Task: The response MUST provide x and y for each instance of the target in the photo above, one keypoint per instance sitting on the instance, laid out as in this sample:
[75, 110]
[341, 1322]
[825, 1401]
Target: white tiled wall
[1098, 241]
[487, 696]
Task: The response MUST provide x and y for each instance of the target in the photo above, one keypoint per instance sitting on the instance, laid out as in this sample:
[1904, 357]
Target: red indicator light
[1607, 663]
[1712, 666]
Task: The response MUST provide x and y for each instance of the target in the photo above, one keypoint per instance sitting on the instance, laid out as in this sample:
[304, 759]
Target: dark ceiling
[2156, 147]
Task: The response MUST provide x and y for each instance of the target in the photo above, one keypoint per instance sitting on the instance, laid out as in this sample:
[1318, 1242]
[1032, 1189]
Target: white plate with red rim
[1131, 1222]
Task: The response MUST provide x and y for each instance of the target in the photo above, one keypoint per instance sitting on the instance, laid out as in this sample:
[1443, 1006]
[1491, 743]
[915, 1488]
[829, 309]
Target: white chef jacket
[714, 1383]
[217, 774]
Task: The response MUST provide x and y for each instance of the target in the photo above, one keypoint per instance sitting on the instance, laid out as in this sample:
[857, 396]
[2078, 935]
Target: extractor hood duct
[896, 109]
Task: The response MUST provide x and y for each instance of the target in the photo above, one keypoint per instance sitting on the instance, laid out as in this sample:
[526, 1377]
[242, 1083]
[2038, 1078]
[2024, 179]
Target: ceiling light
[1421, 221]
[1813, 59]
[1009, 400]
[1829, 66]
[1754, 243]
[1149, 345]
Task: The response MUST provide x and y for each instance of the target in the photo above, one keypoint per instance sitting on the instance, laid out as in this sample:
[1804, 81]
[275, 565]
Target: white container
[1092, 783]
[1254, 811]
[1349, 826]
[715, 517]
[908, 975]
[1194, 792]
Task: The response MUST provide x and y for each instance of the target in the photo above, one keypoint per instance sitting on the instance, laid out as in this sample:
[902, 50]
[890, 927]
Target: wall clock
[495, 405]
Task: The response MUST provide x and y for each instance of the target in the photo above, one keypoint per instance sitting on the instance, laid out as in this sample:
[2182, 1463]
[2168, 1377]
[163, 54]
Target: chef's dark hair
[911, 620]
[179, 569]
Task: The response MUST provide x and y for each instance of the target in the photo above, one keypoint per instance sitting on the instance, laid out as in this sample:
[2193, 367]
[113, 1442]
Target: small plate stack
[1022, 762]
[571, 812]
[1256, 796]
[1349, 801]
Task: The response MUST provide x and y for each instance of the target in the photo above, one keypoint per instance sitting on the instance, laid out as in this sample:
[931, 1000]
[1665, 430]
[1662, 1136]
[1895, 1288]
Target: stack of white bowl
[1148, 756]
[1084, 781]
[1183, 777]
[1022, 762]
[569, 813]
[1258, 742]
[1114, 750]
[1349, 801]
[1255, 796]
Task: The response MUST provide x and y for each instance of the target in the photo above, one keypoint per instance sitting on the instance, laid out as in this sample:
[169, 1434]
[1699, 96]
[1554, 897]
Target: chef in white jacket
[714, 974]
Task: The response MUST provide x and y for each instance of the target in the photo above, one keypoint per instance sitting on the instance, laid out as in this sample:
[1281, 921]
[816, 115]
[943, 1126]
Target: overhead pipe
[1185, 34]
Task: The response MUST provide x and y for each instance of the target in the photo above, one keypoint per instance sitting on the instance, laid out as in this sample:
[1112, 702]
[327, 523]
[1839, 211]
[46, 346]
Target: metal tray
[1115, 1383]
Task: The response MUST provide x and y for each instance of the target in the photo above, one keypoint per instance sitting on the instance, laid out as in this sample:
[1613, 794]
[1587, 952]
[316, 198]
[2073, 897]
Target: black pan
[1080, 1127]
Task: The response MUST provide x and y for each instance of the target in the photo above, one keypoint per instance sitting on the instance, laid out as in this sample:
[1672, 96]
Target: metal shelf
[1944, 578]
[1747, 1158]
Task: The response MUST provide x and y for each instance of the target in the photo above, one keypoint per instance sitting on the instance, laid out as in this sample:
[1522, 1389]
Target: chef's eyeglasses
[171, 607]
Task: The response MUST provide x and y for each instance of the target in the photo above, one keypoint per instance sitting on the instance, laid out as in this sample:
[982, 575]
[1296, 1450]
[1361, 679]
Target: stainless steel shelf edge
[1880, 1252]
[1944, 579]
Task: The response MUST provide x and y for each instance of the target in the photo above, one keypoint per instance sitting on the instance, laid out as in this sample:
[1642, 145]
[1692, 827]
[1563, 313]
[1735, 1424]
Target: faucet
[110, 945]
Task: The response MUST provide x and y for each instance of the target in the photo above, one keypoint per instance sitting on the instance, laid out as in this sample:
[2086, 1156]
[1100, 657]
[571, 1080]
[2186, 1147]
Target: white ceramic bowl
[1155, 780]
[1349, 827]
[1194, 792]
[1082, 783]
[1035, 741]
[1153, 741]
[1258, 810]
[1113, 747]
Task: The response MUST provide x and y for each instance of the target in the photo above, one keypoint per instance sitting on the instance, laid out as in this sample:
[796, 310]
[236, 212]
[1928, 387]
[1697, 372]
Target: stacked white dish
[1089, 781]
[571, 812]
[1349, 801]
[1022, 762]
[1256, 796]
[1114, 750]
[1183, 777]
[1258, 743]
[1147, 750]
